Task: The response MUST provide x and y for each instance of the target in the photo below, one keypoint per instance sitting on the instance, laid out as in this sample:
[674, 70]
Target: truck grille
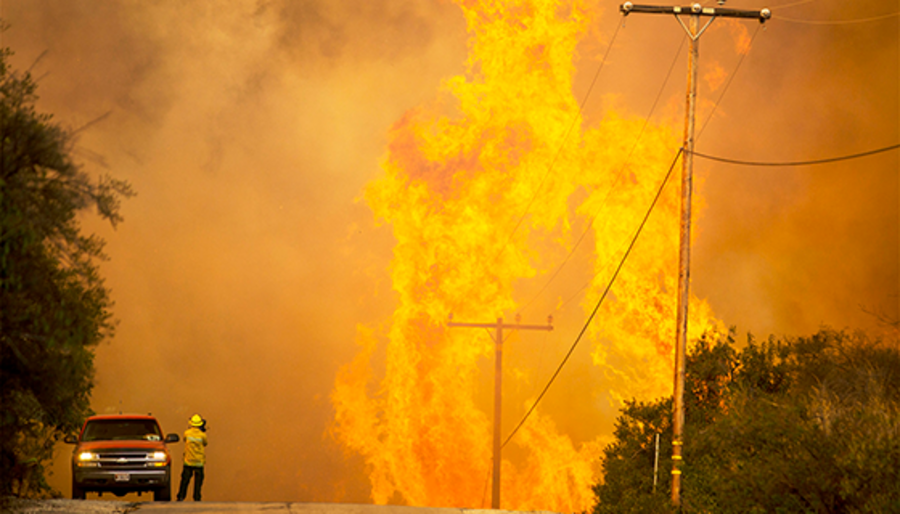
[124, 460]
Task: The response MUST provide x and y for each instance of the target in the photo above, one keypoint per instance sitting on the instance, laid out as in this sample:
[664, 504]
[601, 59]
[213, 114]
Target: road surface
[189, 507]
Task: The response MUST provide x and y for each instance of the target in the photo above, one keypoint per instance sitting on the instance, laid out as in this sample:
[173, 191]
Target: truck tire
[77, 492]
[163, 494]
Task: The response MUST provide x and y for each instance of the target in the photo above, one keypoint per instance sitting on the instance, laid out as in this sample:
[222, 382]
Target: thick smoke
[248, 130]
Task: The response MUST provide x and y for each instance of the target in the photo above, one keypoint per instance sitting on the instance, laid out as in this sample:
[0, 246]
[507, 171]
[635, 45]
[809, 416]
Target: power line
[727, 84]
[708, 119]
[798, 163]
[621, 171]
[599, 302]
[658, 95]
[561, 145]
[838, 22]
[784, 6]
[631, 152]
[792, 4]
[590, 224]
[615, 181]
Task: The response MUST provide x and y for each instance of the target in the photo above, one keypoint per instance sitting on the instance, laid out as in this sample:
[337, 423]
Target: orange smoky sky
[260, 266]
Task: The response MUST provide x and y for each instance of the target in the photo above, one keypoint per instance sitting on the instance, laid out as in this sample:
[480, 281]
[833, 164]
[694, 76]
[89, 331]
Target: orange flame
[459, 174]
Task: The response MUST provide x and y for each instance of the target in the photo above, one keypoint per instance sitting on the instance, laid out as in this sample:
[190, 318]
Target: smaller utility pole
[498, 374]
[656, 464]
[694, 31]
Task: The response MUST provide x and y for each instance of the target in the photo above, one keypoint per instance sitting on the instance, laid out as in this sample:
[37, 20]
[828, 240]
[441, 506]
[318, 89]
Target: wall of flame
[479, 184]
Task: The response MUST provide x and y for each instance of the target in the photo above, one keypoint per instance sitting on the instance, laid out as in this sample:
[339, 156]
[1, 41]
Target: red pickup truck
[120, 454]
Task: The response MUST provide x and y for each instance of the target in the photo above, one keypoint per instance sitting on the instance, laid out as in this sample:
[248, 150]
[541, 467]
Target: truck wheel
[163, 494]
[77, 492]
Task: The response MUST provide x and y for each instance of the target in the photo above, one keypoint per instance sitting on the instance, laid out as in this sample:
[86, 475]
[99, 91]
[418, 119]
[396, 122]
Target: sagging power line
[798, 163]
[599, 302]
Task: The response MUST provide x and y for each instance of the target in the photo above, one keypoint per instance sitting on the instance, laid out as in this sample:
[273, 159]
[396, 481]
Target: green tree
[812, 425]
[54, 307]
[630, 463]
[800, 425]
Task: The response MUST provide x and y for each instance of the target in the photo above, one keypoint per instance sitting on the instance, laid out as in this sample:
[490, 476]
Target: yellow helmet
[196, 420]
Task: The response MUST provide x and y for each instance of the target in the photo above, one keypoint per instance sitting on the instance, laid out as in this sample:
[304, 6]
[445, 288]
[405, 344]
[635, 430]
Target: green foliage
[804, 425]
[630, 461]
[54, 307]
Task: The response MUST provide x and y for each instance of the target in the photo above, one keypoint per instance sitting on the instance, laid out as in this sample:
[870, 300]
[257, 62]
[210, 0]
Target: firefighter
[194, 457]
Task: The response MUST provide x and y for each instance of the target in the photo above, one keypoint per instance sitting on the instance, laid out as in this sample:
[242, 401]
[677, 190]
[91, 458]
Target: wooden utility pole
[498, 374]
[694, 31]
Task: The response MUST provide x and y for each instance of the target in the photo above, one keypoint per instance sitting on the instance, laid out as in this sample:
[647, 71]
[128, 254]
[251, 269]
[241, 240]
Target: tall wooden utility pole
[694, 31]
[498, 374]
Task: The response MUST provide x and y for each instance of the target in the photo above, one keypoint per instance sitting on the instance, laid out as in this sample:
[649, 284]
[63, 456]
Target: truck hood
[130, 444]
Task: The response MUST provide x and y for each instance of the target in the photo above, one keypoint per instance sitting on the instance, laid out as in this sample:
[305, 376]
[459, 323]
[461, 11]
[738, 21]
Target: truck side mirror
[71, 439]
[172, 438]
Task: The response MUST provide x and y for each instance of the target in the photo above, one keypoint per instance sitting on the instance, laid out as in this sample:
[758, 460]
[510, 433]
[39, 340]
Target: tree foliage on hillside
[798, 425]
[54, 307]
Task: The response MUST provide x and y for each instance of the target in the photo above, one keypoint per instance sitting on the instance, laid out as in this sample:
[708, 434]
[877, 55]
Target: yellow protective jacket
[195, 447]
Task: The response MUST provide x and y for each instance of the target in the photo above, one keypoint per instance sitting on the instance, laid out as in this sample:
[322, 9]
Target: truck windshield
[121, 429]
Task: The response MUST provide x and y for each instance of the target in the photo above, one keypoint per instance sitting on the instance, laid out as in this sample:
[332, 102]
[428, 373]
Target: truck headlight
[157, 459]
[88, 459]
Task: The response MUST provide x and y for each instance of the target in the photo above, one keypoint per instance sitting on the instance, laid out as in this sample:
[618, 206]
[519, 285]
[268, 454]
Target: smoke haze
[248, 259]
